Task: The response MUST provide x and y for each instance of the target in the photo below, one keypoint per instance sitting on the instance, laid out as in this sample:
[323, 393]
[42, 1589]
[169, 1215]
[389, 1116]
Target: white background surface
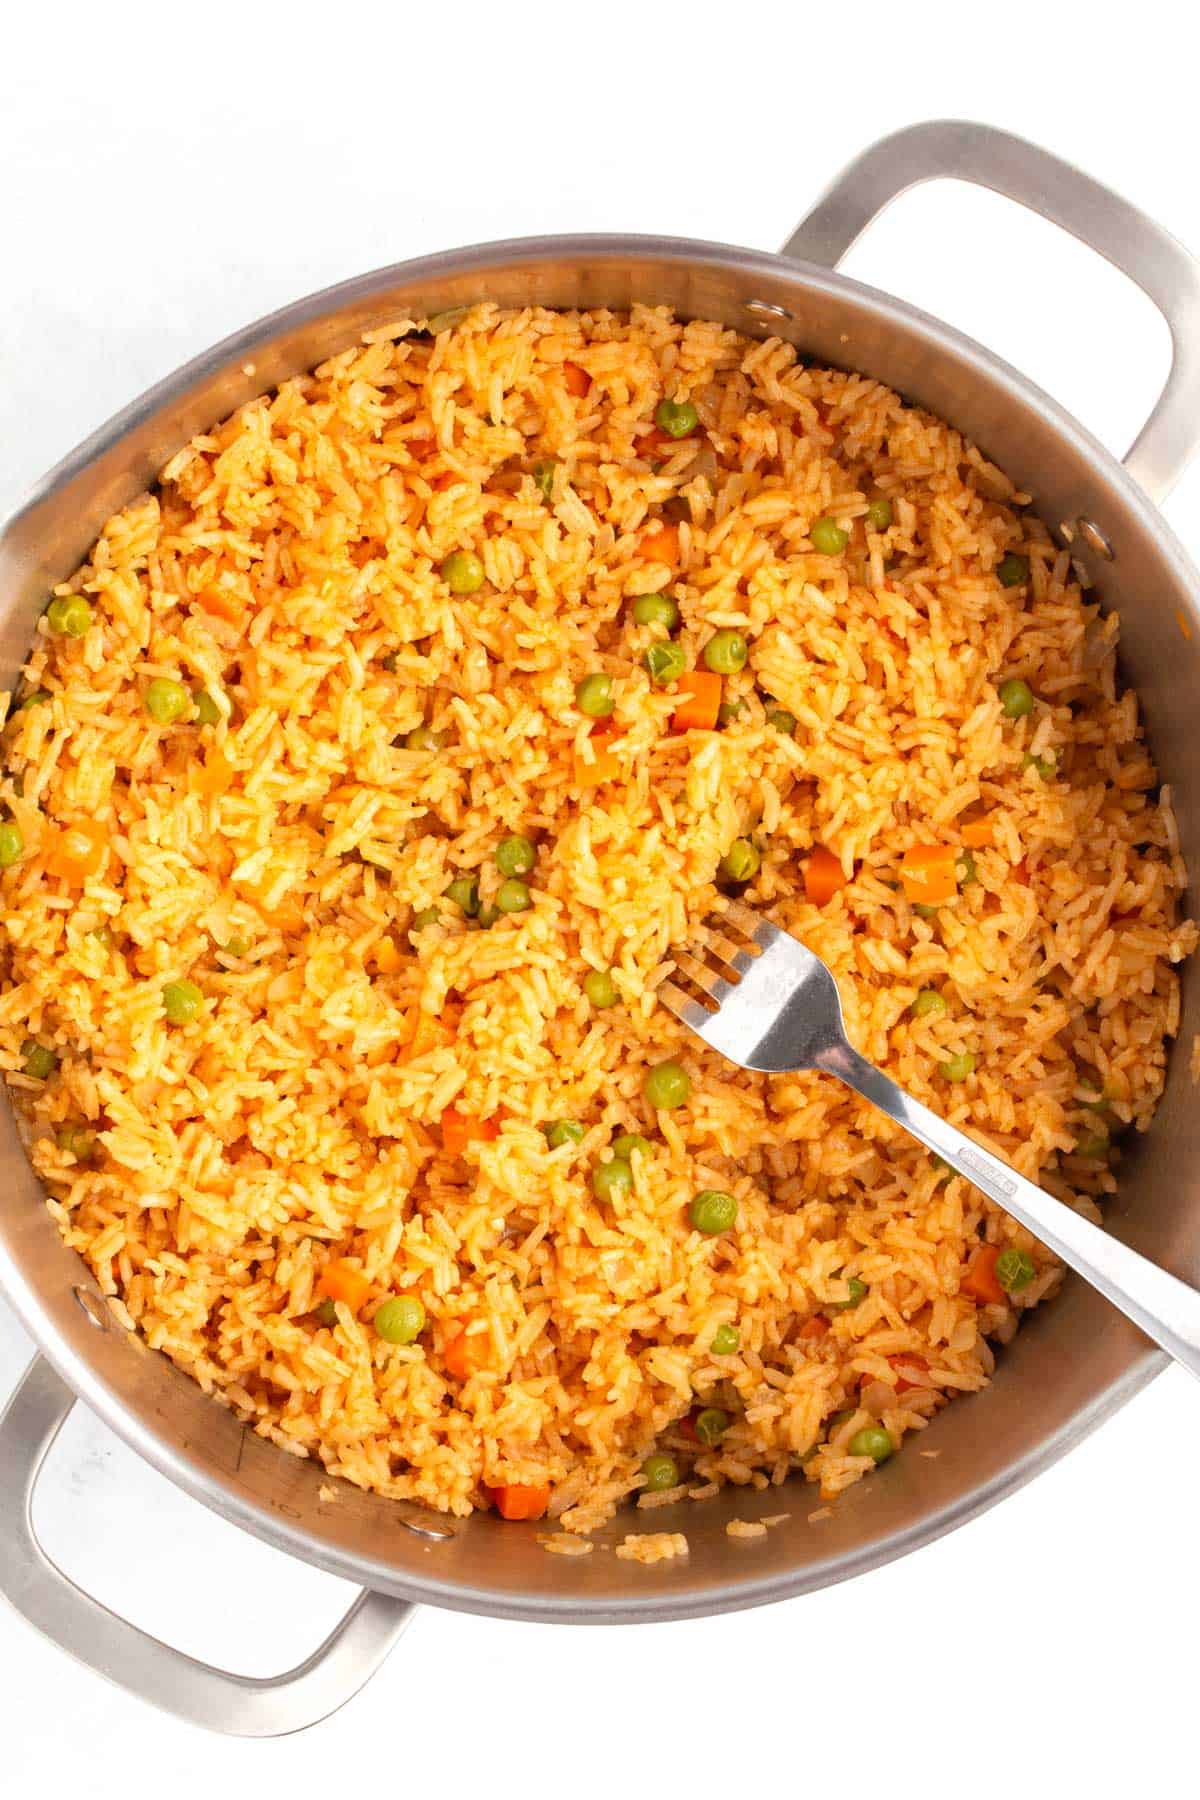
[169, 174]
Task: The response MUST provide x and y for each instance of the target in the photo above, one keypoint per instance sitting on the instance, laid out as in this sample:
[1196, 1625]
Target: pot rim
[231, 352]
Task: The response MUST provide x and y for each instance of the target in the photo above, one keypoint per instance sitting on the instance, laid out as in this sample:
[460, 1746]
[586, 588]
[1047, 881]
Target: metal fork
[775, 1007]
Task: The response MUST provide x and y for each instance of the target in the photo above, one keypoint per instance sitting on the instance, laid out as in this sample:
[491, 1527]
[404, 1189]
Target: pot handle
[1151, 257]
[240, 1705]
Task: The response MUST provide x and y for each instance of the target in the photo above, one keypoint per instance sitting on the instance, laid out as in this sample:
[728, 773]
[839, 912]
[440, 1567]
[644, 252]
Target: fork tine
[758, 929]
[690, 1011]
[718, 945]
[701, 974]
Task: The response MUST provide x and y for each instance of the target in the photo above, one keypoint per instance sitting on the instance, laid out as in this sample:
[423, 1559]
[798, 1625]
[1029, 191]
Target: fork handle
[1165, 1308]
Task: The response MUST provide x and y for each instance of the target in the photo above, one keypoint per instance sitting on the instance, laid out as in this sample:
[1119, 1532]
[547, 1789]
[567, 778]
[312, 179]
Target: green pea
[39, 1061]
[1045, 765]
[712, 1211]
[515, 855]
[428, 915]
[400, 1320]
[1094, 1146]
[543, 474]
[727, 1340]
[666, 1085]
[1013, 569]
[104, 936]
[924, 912]
[462, 572]
[630, 1144]
[236, 947]
[464, 891]
[446, 321]
[659, 1473]
[512, 896]
[726, 652]
[1014, 1270]
[927, 1001]
[678, 418]
[957, 1068]
[77, 1141]
[729, 710]
[1016, 698]
[965, 868]
[656, 609]
[856, 1293]
[563, 1131]
[783, 720]
[327, 1313]
[12, 844]
[828, 537]
[600, 988]
[872, 1441]
[207, 710]
[424, 737]
[879, 515]
[594, 696]
[69, 616]
[711, 1425]
[665, 663]
[486, 917]
[35, 697]
[742, 861]
[166, 700]
[612, 1178]
[181, 1001]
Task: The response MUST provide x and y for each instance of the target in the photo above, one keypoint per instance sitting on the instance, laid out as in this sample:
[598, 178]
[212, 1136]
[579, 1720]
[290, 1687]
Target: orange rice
[289, 567]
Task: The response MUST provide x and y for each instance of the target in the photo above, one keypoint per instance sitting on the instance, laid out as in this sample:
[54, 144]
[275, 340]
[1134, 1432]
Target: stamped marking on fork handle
[1004, 1184]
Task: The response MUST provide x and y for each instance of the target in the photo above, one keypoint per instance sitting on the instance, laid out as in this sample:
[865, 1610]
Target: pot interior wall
[1073, 1362]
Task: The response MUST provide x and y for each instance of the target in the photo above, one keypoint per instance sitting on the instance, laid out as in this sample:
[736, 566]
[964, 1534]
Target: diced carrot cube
[662, 545]
[214, 777]
[460, 1129]
[428, 1034]
[979, 833]
[577, 380]
[387, 956]
[980, 1279]
[700, 703]
[78, 852]
[222, 605]
[339, 1281]
[929, 874]
[465, 1353]
[824, 876]
[604, 766]
[519, 1501]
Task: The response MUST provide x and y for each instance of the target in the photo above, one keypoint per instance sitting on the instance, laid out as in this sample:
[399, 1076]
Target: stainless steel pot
[1072, 1365]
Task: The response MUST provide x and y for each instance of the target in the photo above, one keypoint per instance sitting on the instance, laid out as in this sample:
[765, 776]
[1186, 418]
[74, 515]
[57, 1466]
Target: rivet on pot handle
[240, 1705]
[1150, 256]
